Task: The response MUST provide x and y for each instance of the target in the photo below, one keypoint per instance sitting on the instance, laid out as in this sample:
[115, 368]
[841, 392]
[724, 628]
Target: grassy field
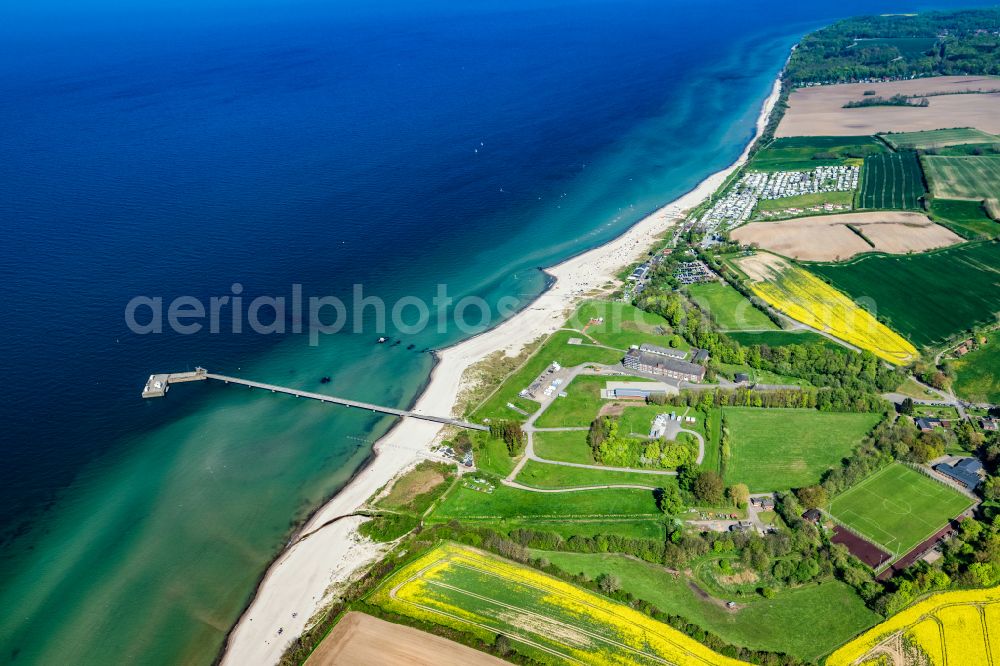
[543, 475]
[909, 47]
[648, 528]
[966, 218]
[505, 502]
[783, 338]
[555, 348]
[972, 177]
[491, 456]
[729, 308]
[624, 325]
[926, 297]
[580, 406]
[911, 388]
[978, 374]
[777, 449]
[781, 624]
[938, 138]
[809, 152]
[898, 507]
[482, 594]
[891, 180]
[961, 625]
[803, 201]
[566, 446]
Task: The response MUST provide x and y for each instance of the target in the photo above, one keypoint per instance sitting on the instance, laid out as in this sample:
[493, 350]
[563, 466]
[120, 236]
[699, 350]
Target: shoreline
[296, 582]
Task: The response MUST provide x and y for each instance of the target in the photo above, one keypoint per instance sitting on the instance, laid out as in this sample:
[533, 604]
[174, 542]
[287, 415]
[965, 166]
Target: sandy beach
[295, 586]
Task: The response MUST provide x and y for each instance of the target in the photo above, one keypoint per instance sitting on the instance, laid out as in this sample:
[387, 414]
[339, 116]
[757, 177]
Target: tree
[991, 488]
[906, 407]
[686, 476]
[669, 500]
[502, 645]
[609, 583]
[812, 497]
[708, 487]
[738, 494]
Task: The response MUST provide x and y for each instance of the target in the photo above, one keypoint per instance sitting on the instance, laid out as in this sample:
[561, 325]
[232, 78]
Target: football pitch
[898, 507]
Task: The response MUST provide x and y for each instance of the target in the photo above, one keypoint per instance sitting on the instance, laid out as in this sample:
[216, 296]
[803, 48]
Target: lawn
[978, 374]
[778, 449]
[485, 595]
[783, 338]
[808, 152]
[891, 180]
[555, 348]
[582, 401]
[505, 502]
[966, 218]
[730, 310]
[491, 456]
[624, 325]
[782, 624]
[566, 446]
[803, 201]
[898, 507]
[543, 475]
[971, 177]
[938, 138]
[911, 388]
[926, 297]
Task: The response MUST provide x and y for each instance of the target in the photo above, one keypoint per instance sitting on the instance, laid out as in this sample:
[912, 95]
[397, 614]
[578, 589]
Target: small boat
[382, 340]
[411, 346]
[325, 380]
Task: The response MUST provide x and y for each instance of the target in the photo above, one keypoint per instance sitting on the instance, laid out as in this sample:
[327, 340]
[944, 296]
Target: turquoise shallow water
[325, 147]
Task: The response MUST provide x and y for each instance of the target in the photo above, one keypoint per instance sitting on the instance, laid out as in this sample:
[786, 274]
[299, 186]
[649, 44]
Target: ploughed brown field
[819, 111]
[363, 639]
[831, 238]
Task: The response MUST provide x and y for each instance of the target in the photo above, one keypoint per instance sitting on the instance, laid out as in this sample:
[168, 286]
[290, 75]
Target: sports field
[968, 177]
[926, 297]
[938, 138]
[778, 449]
[729, 308]
[898, 507]
[550, 619]
[891, 180]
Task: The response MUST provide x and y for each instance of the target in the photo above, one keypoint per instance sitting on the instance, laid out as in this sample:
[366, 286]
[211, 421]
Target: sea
[157, 155]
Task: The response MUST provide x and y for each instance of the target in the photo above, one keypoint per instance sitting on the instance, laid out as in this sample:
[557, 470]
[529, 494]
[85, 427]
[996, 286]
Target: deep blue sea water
[174, 150]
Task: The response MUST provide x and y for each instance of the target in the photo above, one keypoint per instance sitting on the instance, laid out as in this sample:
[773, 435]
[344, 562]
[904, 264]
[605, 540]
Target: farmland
[951, 627]
[891, 180]
[806, 298]
[966, 218]
[898, 507]
[730, 310]
[969, 177]
[978, 374]
[808, 152]
[780, 624]
[777, 449]
[913, 292]
[938, 138]
[555, 621]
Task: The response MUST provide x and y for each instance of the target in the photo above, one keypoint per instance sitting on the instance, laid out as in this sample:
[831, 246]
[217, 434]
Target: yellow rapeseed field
[965, 621]
[474, 591]
[805, 298]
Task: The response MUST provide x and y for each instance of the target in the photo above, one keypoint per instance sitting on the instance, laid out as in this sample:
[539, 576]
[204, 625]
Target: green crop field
[783, 338]
[778, 449]
[729, 308]
[938, 138]
[966, 218]
[925, 297]
[909, 47]
[971, 177]
[891, 180]
[808, 152]
[544, 475]
[978, 374]
[898, 507]
[781, 624]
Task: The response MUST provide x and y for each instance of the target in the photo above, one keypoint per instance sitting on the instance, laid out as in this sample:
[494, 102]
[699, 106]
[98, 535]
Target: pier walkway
[158, 385]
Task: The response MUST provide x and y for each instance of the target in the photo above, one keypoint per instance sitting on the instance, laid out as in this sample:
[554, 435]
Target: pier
[157, 386]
